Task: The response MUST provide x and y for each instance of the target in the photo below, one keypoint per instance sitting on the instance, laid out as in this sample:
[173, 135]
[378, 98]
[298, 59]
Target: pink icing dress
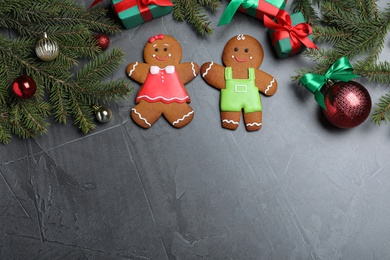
[163, 85]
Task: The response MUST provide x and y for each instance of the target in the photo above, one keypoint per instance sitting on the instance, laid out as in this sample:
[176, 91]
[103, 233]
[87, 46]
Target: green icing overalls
[240, 93]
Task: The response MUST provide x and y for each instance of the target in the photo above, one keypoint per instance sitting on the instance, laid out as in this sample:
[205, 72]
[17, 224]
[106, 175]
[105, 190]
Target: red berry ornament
[348, 104]
[103, 41]
[24, 87]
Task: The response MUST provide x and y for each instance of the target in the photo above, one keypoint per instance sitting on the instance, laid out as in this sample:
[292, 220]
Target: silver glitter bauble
[46, 49]
[102, 114]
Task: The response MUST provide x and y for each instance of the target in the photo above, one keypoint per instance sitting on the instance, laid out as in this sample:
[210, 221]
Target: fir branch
[382, 110]
[307, 10]
[330, 34]
[192, 11]
[5, 133]
[72, 27]
[17, 123]
[35, 17]
[59, 102]
[81, 113]
[99, 68]
[379, 72]
[210, 5]
[33, 115]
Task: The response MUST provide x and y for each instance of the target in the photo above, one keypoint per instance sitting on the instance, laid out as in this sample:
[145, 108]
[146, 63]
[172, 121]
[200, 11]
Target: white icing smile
[161, 59]
[241, 60]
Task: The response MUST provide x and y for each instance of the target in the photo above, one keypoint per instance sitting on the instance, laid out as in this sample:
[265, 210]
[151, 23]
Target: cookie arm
[138, 71]
[187, 71]
[213, 74]
[266, 83]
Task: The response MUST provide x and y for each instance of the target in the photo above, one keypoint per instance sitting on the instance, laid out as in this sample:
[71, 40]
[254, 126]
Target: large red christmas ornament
[348, 104]
[24, 87]
[103, 41]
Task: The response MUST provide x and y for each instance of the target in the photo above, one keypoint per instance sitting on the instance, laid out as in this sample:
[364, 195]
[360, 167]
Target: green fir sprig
[356, 29]
[193, 11]
[63, 90]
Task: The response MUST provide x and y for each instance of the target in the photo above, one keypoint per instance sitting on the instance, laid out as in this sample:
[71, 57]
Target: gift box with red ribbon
[255, 8]
[136, 12]
[290, 34]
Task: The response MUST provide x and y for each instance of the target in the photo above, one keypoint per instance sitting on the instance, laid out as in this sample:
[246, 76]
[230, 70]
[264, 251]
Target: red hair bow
[156, 37]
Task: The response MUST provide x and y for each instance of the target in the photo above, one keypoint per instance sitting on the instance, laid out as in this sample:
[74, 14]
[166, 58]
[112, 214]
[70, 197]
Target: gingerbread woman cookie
[162, 77]
[240, 82]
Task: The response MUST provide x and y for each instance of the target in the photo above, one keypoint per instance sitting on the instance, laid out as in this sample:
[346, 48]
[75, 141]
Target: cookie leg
[146, 114]
[178, 114]
[253, 121]
[230, 120]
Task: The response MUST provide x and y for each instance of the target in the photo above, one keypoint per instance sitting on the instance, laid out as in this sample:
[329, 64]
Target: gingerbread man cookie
[162, 77]
[240, 82]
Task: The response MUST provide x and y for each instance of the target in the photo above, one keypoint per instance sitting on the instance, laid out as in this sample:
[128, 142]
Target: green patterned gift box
[290, 34]
[136, 12]
[255, 8]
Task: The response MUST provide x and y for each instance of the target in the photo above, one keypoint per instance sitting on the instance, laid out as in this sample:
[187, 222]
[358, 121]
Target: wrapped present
[255, 8]
[290, 34]
[136, 12]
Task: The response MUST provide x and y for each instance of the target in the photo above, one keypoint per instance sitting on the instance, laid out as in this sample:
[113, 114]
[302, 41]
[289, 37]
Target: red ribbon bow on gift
[284, 29]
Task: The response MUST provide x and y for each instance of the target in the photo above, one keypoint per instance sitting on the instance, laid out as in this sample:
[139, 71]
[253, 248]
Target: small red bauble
[24, 87]
[348, 104]
[103, 41]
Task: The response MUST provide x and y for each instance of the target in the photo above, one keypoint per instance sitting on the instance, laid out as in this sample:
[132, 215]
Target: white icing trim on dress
[254, 123]
[269, 86]
[181, 119]
[140, 117]
[207, 70]
[161, 97]
[133, 69]
[230, 122]
[193, 69]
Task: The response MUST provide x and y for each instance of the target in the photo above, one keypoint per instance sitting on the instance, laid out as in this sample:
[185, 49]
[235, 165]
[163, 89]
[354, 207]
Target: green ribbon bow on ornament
[232, 8]
[340, 70]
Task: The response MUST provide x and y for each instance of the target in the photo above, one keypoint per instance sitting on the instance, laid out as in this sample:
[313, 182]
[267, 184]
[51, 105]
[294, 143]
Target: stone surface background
[297, 189]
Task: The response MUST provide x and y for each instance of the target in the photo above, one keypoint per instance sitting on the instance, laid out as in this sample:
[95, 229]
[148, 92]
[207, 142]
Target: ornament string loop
[340, 70]
[284, 29]
[232, 8]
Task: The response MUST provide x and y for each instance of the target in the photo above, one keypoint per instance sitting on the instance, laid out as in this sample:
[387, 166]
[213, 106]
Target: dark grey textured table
[297, 189]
